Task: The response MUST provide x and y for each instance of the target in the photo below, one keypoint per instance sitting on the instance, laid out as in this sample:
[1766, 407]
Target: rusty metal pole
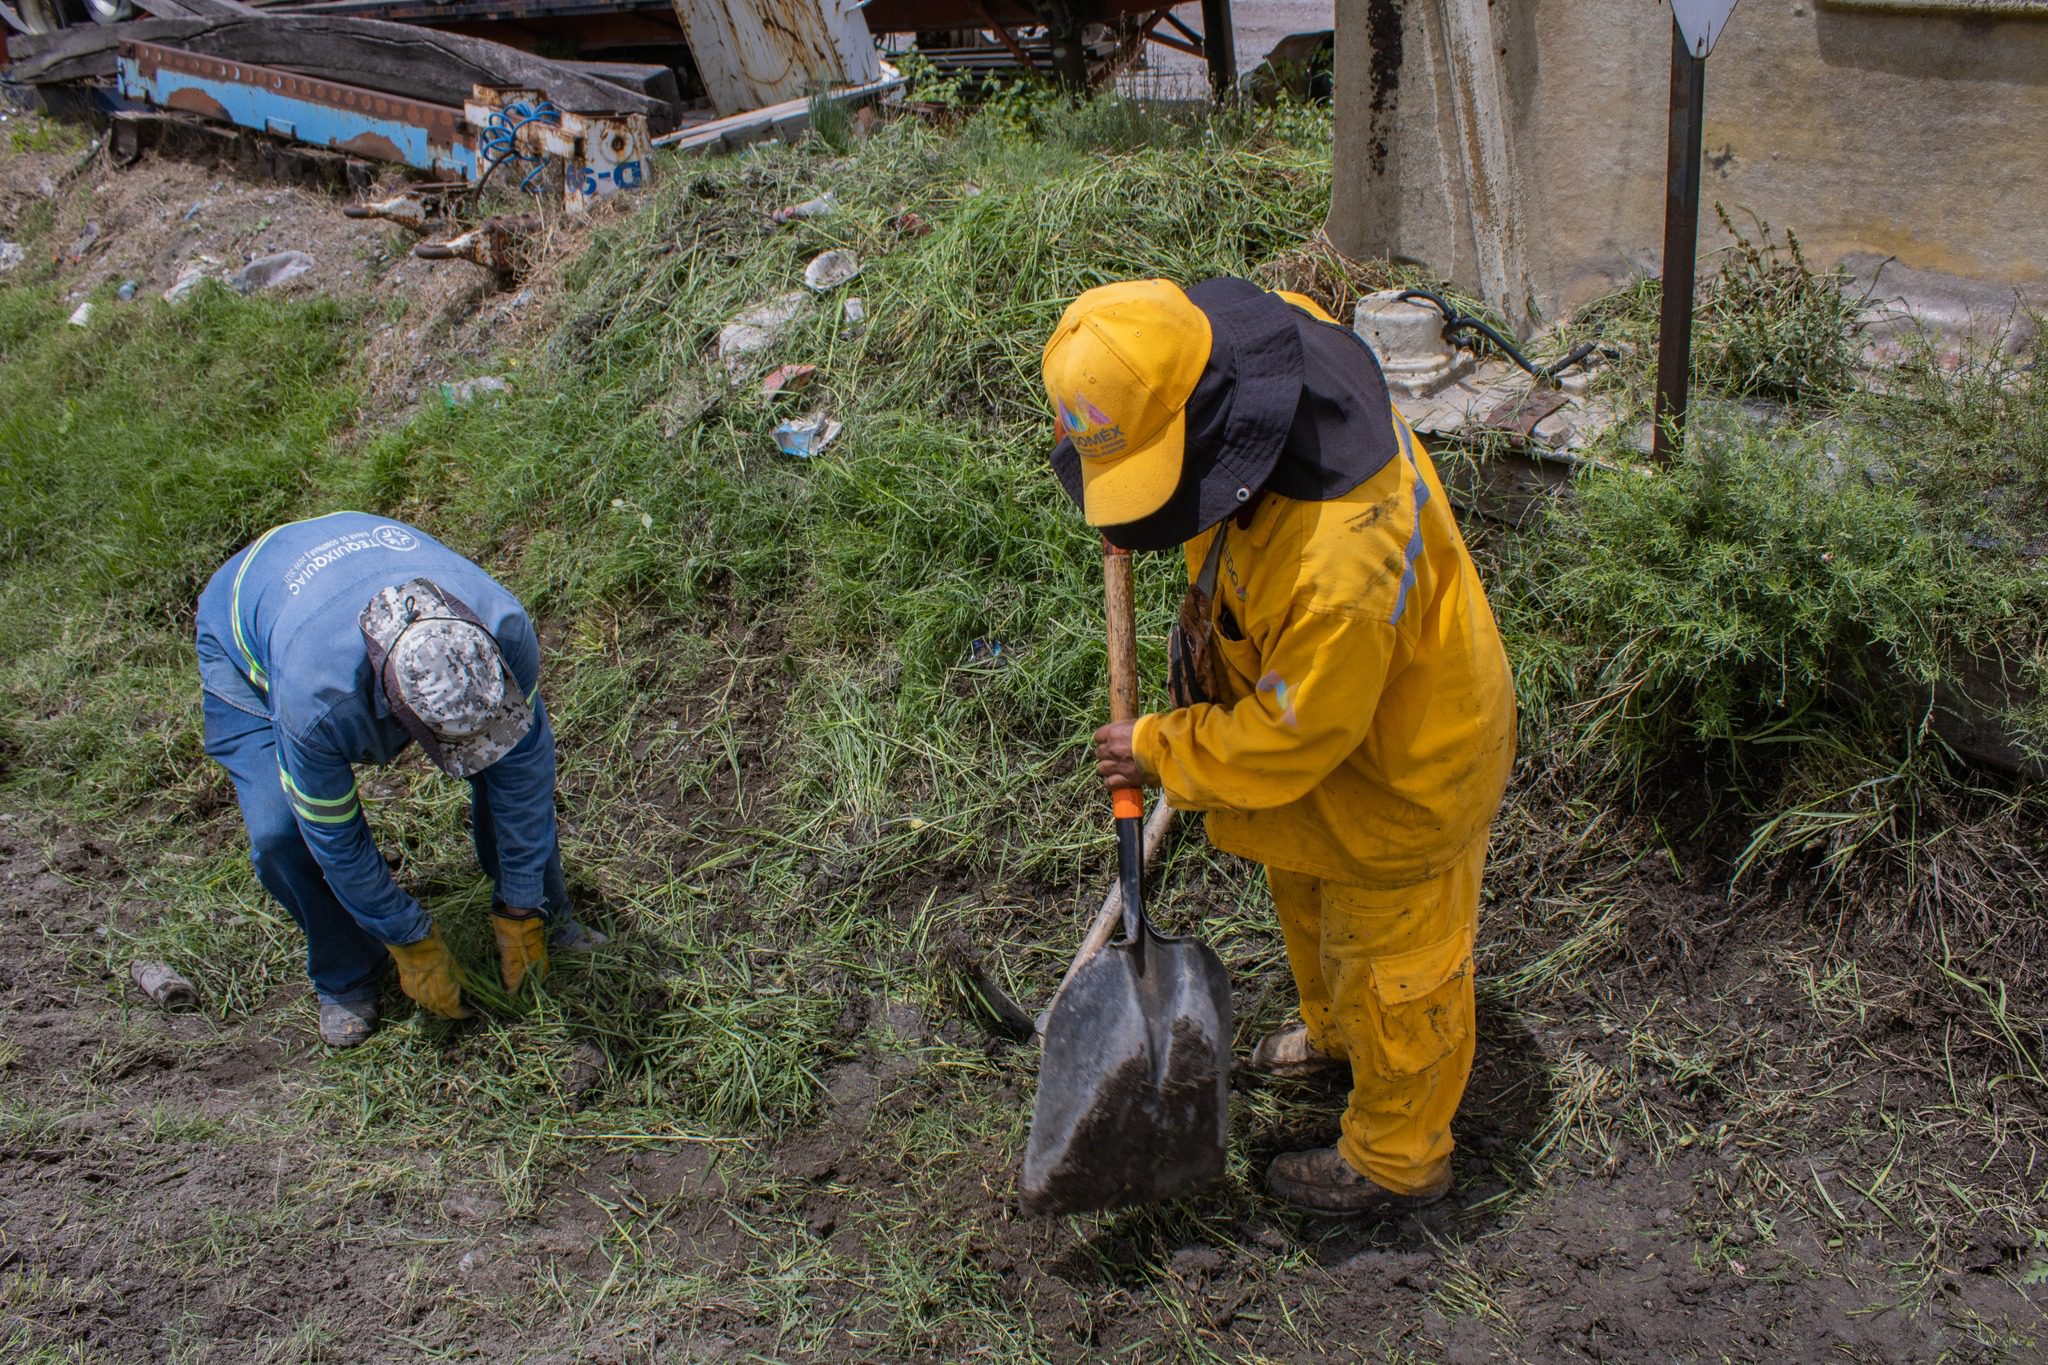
[1219, 45]
[1681, 243]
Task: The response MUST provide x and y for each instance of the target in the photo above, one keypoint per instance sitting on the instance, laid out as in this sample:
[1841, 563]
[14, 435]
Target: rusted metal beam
[1003, 37]
[347, 118]
[1681, 242]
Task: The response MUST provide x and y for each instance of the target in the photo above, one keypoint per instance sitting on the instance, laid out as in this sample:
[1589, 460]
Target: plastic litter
[82, 315]
[268, 272]
[490, 386]
[823, 206]
[831, 269]
[190, 278]
[855, 311]
[807, 436]
[11, 255]
[909, 224]
[788, 379]
[126, 292]
[163, 985]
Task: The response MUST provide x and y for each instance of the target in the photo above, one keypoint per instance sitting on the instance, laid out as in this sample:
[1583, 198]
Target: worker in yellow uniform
[1343, 709]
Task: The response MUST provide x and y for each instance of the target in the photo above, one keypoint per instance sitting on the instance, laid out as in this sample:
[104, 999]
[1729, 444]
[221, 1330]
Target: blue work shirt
[279, 637]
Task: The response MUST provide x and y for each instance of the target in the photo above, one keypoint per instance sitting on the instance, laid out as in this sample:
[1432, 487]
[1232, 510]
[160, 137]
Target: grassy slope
[785, 781]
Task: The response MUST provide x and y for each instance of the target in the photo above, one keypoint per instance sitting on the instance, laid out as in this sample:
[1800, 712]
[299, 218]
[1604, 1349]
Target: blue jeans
[345, 962]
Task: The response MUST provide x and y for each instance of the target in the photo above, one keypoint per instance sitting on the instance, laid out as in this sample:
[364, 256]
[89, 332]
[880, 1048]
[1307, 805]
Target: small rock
[469, 1264]
[1189, 1262]
[1272, 1239]
[463, 391]
[831, 269]
[268, 272]
[588, 1067]
[11, 255]
[521, 299]
[46, 187]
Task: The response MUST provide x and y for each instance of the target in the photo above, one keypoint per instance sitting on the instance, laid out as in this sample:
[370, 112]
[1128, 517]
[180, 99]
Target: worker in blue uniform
[340, 640]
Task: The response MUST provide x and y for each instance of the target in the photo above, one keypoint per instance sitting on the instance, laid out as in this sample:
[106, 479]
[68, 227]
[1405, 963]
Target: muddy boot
[1290, 1053]
[1323, 1181]
[574, 936]
[347, 1025]
[426, 972]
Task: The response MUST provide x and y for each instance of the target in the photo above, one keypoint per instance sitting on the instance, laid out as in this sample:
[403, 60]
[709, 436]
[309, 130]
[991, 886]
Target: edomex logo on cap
[1119, 370]
[1090, 429]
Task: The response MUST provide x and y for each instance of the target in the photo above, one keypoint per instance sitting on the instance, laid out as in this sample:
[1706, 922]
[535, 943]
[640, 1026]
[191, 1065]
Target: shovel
[1134, 1083]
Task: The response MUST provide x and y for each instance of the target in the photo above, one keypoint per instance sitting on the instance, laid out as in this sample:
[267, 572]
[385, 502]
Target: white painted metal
[759, 52]
[615, 155]
[1701, 21]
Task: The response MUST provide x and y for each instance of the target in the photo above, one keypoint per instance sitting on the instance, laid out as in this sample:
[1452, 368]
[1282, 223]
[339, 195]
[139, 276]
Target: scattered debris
[788, 379]
[502, 244]
[909, 224]
[417, 209]
[823, 206]
[806, 436]
[831, 269]
[741, 341]
[163, 985]
[82, 315]
[855, 311]
[268, 272]
[88, 237]
[11, 255]
[462, 391]
[197, 270]
[126, 293]
[985, 653]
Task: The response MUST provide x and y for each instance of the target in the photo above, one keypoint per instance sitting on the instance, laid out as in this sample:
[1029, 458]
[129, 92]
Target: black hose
[1456, 323]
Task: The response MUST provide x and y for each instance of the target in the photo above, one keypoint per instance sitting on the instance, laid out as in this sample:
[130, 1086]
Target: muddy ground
[167, 1198]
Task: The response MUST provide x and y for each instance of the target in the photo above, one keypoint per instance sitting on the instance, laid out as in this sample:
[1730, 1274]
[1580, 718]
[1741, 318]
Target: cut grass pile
[793, 766]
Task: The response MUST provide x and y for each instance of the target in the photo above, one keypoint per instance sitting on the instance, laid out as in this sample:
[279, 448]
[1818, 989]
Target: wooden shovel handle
[1123, 660]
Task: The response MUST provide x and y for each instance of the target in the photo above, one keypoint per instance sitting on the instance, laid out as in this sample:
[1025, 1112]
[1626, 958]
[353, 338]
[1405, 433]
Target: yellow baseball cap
[1119, 369]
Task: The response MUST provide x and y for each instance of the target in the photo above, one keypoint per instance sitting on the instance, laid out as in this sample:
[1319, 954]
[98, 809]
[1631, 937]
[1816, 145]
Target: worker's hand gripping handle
[1128, 802]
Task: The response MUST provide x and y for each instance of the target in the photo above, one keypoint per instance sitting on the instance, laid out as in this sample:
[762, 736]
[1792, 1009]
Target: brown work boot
[1323, 1181]
[1290, 1053]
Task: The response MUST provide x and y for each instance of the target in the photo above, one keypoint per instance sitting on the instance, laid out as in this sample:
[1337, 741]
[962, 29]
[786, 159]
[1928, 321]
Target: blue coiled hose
[501, 138]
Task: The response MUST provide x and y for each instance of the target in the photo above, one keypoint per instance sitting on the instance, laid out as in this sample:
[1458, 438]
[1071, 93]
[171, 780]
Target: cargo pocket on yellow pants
[1422, 1005]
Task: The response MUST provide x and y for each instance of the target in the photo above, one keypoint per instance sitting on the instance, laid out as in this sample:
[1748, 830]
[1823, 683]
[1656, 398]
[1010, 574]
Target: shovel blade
[1134, 1082]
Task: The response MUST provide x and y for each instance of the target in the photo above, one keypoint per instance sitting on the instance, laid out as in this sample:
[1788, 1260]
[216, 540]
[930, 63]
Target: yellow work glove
[522, 945]
[426, 972]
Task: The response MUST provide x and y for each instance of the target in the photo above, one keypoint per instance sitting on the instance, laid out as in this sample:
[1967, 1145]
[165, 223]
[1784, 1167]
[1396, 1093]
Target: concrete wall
[1915, 134]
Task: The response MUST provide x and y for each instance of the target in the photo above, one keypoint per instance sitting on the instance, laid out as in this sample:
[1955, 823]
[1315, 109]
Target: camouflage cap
[444, 676]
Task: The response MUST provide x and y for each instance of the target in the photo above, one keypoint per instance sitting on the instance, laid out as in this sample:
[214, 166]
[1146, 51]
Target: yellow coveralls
[1361, 758]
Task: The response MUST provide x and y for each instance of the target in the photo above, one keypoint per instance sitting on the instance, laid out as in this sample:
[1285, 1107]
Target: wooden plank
[775, 120]
[752, 53]
[403, 59]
